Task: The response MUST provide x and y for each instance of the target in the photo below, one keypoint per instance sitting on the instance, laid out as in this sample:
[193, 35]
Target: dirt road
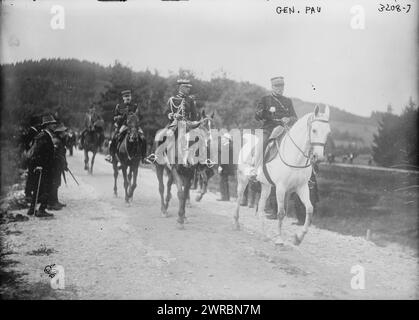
[113, 251]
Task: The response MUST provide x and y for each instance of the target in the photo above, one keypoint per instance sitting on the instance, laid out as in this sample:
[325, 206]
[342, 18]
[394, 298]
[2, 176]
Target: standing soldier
[41, 157]
[93, 121]
[226, 169]
[120, 117]
[28, 140]
[58, 168]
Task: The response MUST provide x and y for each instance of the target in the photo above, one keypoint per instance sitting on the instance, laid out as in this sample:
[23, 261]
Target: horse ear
[203, 113]
[212, 115]
[327, 111]
[316, 111]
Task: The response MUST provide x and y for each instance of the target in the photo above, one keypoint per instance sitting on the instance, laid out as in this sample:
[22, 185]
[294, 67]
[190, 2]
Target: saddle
[272, 147]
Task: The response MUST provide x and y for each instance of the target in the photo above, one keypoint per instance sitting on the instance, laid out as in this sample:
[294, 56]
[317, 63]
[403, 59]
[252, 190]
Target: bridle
[308, 156]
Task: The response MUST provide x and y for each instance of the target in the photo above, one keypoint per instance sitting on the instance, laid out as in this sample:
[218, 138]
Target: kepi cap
[277, 81]
[184, 82]
[48, 119]
[126, 93]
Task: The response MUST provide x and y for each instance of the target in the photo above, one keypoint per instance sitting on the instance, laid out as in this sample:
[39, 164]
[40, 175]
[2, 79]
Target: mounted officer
[93, 121]
[273, 110]
[58, 168]
[181, 107]
[40, 159]
[120, 118]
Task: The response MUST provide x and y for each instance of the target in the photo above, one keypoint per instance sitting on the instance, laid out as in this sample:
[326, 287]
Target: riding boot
[81, 141]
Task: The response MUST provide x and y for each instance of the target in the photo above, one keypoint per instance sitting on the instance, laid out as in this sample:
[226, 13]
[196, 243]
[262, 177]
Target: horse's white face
[319, 131]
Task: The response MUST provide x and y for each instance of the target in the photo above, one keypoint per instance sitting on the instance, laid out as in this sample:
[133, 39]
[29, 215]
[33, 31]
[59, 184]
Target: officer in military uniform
[274, 110]
[58, 168]
[120, 117]
[41, 157]
[92, 121]
[181, 107]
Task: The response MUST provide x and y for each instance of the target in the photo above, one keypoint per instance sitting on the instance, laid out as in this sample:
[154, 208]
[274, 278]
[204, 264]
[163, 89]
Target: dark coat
[189, 112]
[43, 151]
[273, 108]
[122, 110]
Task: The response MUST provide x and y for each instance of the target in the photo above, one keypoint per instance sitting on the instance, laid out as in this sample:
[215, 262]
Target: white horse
[290, 170]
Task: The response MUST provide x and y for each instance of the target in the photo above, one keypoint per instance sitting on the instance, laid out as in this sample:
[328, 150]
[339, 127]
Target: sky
[321, 57]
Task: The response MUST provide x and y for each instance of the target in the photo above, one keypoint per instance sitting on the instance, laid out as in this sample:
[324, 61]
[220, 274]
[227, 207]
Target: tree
[396, 140]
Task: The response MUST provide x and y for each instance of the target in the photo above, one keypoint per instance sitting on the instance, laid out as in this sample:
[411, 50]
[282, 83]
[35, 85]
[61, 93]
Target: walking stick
[65, 179]
[73, 176]
[39, 185]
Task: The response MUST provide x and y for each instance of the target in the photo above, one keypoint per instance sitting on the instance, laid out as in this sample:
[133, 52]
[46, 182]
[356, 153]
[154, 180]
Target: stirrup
[152, 158]
[109, 158]
[209, 163]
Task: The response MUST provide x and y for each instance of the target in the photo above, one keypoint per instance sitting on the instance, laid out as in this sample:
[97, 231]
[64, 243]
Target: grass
[354, 200]
[42, 251]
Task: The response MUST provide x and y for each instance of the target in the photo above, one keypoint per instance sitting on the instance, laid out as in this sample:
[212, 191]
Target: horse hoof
[198, 198]
[180, 226]
[279, 242]
[236, 226]
[164, 214]
[297, 240]
[185, 220]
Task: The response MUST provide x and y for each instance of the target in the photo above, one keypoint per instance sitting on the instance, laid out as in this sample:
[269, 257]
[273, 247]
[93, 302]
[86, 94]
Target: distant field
[353, 200]
[364, 131]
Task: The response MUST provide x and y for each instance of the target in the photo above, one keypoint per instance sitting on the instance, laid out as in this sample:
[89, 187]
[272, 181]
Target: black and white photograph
[210, 150]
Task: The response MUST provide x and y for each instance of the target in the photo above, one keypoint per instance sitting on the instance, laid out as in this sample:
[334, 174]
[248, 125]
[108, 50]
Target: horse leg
[242, 182]
[304, 194]
[92, 162]
[280, 199]
[86, 160]
[169, 188]
[203, 188]
[115, 176]
[126, 184]
[187, 188]
[159, 174]
[129, 181]
[188, 199]
[134, 181]
[182, 198]
[260, 209]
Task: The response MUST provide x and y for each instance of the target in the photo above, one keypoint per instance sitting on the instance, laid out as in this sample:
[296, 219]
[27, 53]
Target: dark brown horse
[178, 172]
[91, 143]
[128, 154]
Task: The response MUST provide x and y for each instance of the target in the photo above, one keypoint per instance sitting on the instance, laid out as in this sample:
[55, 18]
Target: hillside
[346, 127]
[69, 86]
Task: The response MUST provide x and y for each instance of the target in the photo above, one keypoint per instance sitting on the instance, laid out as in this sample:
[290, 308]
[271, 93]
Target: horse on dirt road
[290, 168]
[179, 170]
[129, 153]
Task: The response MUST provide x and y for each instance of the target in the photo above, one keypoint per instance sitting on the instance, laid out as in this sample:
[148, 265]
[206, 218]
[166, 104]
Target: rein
[312, 144]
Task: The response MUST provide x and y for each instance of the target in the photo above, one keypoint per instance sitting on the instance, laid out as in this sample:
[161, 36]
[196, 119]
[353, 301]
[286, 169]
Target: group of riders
[47, 152]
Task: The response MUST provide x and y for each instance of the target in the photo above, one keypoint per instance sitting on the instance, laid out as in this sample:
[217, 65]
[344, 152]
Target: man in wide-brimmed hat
[41, 158]
[59, 166]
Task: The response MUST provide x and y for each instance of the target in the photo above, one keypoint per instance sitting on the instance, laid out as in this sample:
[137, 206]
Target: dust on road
[113, 251]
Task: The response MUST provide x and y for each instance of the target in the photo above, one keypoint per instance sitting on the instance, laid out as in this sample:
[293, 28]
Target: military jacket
[273, 108]
[121, 112]
[184, 106]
